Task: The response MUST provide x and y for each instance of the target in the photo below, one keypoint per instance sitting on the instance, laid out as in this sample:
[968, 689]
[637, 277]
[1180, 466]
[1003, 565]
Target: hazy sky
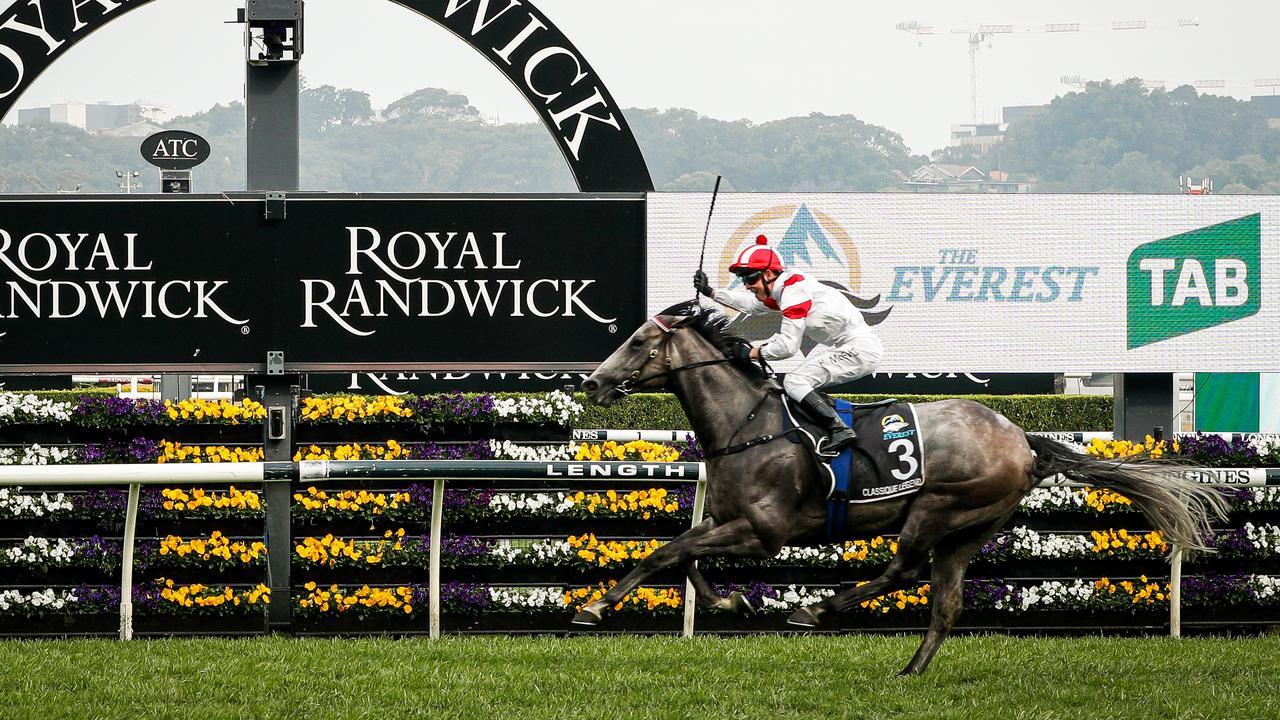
[729, 59]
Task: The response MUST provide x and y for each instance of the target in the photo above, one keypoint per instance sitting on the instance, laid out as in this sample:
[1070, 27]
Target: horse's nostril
[590, 386]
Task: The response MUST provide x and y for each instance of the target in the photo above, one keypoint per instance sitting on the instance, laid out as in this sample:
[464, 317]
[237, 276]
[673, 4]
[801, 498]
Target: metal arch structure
[520, 41]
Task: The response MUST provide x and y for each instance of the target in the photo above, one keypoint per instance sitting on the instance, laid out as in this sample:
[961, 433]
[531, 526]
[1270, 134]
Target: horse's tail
[1178, 506]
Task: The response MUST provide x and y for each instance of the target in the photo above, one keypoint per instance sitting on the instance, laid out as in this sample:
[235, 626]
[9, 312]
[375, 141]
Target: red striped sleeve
[792, 280]
[799, 310]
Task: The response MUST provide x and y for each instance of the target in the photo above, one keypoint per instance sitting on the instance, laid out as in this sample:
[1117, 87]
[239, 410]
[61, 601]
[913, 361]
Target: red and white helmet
[758, 257]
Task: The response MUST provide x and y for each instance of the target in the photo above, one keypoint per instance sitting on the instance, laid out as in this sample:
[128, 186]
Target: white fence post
[690, 597]
[1175, 593]
[437, 521]
[126, 560]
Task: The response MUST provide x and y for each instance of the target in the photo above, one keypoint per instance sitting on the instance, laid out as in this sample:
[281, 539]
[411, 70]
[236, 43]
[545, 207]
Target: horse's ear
[682, 320]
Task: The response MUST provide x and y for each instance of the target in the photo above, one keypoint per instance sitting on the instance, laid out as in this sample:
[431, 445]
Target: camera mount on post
[273, 31]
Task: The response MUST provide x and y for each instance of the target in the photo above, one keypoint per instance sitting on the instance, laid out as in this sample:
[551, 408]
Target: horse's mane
[714, 326]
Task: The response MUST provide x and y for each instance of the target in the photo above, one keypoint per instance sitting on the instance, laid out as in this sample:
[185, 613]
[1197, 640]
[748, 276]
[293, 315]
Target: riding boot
[841, 435]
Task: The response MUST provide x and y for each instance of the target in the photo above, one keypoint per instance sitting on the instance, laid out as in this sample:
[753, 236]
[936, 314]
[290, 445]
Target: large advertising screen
[1008, 283]
[333, 282]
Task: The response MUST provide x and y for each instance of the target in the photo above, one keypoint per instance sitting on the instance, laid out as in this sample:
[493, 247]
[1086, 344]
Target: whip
[702, 255]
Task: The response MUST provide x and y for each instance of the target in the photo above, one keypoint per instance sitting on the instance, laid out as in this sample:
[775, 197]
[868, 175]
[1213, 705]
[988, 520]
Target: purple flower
[112, 412]
[136, 450]
[453, 407]
[1209, 450]
[458, 597]
[987, 593]
[754, 592]
[692, 451]
[1217, 590]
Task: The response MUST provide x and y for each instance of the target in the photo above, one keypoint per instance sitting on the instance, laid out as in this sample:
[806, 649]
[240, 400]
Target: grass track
[634, 678]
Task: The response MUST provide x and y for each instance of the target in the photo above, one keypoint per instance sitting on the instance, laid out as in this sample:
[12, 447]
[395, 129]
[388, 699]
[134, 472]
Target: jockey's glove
[702, 285]
[741, 353]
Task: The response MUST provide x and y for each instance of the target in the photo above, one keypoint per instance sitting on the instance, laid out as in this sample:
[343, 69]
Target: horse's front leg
[735, 537]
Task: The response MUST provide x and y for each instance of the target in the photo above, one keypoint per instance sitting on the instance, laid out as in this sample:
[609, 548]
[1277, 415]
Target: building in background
[100, 117]
[940, 177]
[979, 136]
[1012, 114]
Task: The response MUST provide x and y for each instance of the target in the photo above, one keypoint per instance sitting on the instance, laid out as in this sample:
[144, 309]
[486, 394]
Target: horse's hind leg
[914, 544]
[950, 558]
[734, 602]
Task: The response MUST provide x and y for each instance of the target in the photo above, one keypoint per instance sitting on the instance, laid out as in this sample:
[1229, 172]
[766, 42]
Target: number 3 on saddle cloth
[887, 461]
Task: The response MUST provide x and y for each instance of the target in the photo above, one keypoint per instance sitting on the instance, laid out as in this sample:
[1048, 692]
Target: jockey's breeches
[834, 366]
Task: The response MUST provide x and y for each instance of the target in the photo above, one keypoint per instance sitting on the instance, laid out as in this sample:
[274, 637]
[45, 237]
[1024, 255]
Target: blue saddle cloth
[887, 461]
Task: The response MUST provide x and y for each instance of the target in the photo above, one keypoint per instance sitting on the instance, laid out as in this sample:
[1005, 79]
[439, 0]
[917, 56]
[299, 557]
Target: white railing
[137, 475]
[442, 470]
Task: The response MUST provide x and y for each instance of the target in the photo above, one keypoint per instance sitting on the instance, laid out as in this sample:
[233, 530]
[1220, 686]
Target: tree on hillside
[818, 152]
[431, 102]
[325, 107]
[1125, 137]
[218, 120]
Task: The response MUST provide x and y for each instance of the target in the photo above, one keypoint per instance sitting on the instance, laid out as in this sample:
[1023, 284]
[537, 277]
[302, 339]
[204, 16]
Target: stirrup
[822, 451]
[825, 449]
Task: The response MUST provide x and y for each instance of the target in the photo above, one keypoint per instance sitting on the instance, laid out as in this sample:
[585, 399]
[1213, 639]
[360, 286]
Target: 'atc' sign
[175, 150]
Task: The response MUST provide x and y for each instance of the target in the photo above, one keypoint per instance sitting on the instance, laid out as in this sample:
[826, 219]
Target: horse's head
[640, 362]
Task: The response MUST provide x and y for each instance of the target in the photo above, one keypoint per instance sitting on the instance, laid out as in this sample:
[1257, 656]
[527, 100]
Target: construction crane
[978, 34]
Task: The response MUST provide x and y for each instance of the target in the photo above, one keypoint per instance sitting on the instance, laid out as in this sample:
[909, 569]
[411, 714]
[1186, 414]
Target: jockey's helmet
[757, 258]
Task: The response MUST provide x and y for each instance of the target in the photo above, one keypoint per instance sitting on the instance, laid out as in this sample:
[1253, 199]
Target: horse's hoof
[587, 616]
[804, 617]
[738, 603]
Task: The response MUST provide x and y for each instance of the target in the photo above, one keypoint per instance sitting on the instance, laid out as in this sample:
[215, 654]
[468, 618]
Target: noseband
[633, 383]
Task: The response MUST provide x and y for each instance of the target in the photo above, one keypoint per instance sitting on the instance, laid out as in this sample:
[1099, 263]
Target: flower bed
[364, 545]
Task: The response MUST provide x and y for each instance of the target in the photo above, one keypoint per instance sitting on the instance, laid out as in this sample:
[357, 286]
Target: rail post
[126, 561]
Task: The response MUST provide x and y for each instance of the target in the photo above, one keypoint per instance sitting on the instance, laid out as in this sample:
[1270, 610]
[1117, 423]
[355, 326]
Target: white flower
[36, 455]
[1054, 498]
[540, 598]
[1265, 586]
[507, 450]
[16, 504]
[28, 408]
[55, 600]
[794, 597]
[557, 407]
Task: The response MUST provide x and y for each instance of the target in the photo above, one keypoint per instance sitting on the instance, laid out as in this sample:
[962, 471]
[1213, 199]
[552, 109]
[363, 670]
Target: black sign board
[342, 283]
[952, 384]
[175, 150]
[876, 383]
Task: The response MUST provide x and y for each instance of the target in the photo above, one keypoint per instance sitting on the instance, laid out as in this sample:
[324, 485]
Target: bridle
[634, 383]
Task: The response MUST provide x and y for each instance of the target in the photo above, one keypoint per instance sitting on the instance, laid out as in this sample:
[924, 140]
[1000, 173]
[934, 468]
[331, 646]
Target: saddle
[887, 461]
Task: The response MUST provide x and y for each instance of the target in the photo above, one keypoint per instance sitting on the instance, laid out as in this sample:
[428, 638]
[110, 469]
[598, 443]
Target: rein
[631, 384]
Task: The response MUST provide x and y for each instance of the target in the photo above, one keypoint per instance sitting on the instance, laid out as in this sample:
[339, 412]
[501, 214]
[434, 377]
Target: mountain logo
[893, 423]
[809, 242]
[1195, 280]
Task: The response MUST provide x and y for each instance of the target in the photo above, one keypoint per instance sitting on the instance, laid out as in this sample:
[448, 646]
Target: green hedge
[661, 411]
[70, 396]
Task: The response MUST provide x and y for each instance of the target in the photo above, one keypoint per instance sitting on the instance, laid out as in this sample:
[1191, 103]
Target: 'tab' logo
[811, 242]
[1195, 280]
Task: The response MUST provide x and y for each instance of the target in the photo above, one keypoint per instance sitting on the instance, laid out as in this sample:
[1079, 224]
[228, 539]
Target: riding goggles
[749, 276]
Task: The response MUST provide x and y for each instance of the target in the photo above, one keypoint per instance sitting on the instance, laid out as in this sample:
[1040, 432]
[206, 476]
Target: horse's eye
[637, 342]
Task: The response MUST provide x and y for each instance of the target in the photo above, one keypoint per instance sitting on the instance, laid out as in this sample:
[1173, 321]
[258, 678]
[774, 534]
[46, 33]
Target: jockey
[809, 310]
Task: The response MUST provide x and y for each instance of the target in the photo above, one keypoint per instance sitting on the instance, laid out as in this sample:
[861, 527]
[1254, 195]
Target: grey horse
[977, 467]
